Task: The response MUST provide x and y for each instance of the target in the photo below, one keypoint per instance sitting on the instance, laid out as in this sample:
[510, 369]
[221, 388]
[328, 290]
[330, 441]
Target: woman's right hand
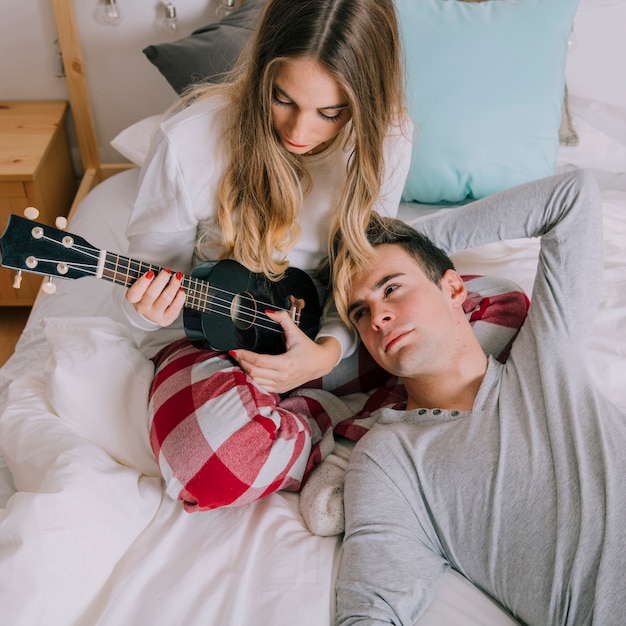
[159, 298]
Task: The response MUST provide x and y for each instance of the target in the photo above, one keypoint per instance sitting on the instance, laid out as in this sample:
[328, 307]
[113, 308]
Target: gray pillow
[208, 52]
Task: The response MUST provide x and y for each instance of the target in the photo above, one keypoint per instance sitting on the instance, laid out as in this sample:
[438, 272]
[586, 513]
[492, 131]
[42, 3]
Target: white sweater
[178, 190]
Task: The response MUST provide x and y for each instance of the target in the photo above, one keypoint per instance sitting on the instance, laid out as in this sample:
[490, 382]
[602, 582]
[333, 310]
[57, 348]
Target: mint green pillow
[485, 89]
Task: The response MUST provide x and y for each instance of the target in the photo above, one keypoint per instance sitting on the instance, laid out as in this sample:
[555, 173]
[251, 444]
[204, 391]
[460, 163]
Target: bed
[87, 535]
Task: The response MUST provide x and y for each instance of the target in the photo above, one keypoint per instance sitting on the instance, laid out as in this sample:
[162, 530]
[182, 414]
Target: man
[514, 474]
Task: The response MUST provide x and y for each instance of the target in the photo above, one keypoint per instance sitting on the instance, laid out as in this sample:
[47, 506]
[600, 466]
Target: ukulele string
[201, 291]
[203, 296]
[246, 315]
[222, 305]
[219, 306]
[267, 305]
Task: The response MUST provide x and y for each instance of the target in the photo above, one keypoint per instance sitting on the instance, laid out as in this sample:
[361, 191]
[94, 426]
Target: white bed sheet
[86, 534]
[89, 540]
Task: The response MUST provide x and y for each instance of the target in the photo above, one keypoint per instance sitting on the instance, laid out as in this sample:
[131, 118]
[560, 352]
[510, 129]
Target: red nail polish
[269, 311]
[232, 353]
[150, 275]
[179, 275]
[168, 270]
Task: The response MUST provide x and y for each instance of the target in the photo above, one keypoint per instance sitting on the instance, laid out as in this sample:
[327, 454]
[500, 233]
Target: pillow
[485, 88]
[208, 52]
[98, 382]
[133, 142]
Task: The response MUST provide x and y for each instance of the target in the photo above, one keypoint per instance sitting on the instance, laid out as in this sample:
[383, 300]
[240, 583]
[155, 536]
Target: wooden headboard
[80, 103]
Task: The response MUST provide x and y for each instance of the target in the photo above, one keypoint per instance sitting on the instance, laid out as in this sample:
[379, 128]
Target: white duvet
[86, 533]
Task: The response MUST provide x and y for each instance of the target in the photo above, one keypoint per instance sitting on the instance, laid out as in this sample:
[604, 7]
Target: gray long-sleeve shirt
[526, 494]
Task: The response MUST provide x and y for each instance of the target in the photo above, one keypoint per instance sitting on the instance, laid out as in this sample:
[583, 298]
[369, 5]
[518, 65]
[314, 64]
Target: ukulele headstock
[33, 247]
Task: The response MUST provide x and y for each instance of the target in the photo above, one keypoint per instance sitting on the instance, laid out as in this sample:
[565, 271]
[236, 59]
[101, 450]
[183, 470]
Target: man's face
[405, 320]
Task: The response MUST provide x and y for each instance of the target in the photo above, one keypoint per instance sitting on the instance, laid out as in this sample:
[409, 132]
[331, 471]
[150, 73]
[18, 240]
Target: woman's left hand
[304, 359]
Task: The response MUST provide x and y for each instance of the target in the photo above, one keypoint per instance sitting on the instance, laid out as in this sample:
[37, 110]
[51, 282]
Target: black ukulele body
[235, 316]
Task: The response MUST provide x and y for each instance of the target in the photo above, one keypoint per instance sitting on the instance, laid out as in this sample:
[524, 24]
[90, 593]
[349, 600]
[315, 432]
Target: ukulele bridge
[297, 304]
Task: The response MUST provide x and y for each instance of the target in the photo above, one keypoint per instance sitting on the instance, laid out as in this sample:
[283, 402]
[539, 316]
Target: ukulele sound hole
[243, 311]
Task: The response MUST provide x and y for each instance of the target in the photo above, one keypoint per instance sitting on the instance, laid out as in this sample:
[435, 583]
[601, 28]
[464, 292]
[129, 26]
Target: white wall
[125, 86]
[596, 66]
[27, 51]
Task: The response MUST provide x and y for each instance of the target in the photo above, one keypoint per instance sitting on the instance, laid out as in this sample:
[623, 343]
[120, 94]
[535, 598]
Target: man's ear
[454, 285]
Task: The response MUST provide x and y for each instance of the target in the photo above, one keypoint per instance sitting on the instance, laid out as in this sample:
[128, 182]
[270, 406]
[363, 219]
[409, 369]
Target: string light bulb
[108, 13]
[169, 21]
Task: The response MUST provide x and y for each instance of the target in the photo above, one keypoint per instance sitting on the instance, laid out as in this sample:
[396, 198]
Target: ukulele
[225, 304]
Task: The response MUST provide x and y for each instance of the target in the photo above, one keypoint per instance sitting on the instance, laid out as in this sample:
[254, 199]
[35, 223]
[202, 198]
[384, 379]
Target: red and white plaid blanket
[222, 440]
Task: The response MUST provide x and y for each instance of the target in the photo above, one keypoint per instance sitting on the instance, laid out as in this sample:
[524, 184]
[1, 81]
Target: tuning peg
[17, 280]
[61, 223]
[31, 213]
[48, 286]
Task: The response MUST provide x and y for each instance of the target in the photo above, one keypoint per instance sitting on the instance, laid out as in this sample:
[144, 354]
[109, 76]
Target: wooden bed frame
[94, 171]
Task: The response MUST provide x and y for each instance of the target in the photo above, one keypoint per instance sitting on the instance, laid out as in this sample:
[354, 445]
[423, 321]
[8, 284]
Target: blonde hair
[379, 231]
[357, 42]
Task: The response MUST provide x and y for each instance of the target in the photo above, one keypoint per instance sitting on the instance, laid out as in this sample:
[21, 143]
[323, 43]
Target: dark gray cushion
[208, 52]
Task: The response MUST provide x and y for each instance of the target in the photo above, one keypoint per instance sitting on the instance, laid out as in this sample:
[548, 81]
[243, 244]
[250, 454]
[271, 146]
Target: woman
[306, 137]
[309, 136]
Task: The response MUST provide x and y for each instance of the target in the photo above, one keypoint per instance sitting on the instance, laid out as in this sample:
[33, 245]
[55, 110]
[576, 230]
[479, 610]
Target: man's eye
[389, 289]
[357, 315]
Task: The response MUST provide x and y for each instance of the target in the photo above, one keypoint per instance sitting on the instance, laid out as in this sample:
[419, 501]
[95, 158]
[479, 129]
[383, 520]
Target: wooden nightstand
[35, 170]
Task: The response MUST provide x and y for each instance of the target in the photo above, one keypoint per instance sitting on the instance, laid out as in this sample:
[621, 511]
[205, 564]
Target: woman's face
[308, 106]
